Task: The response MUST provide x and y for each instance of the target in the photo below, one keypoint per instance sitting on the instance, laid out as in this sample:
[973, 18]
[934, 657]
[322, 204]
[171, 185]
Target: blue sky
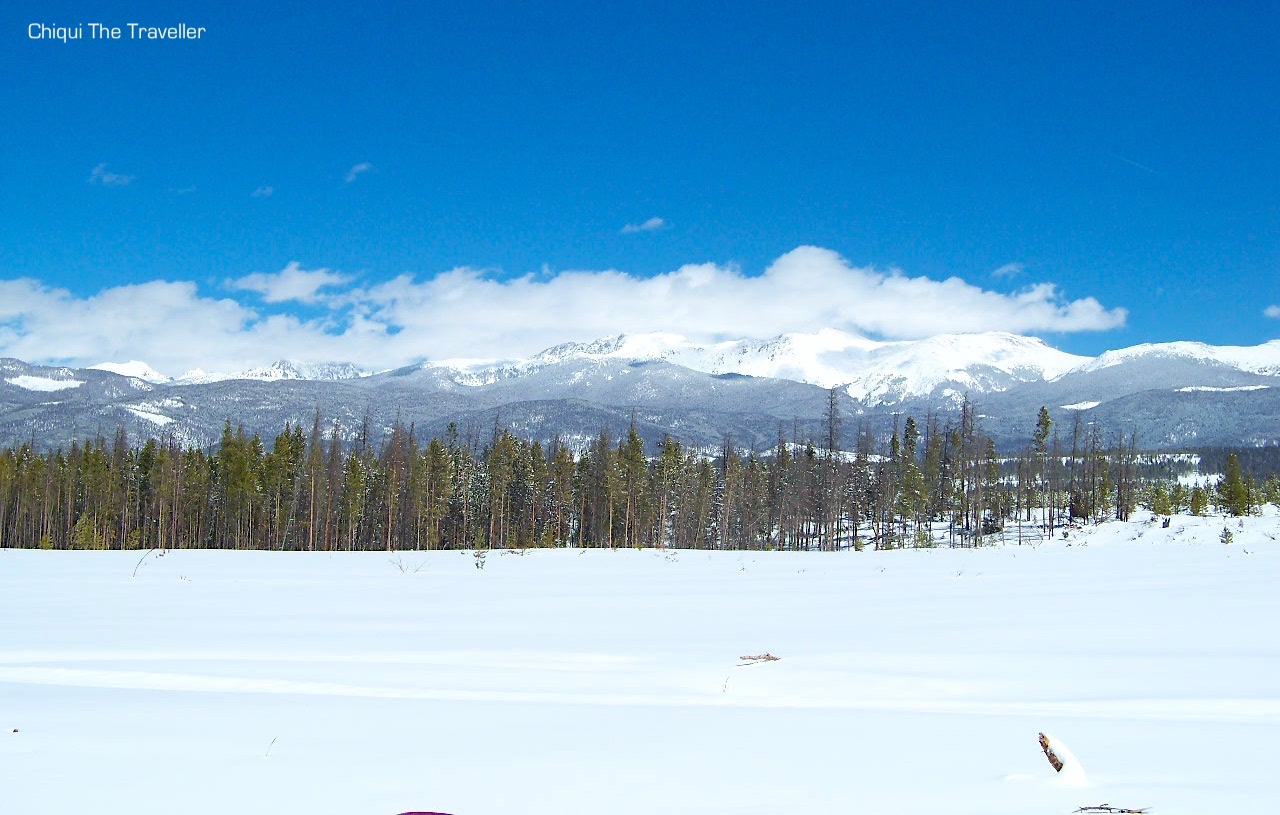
[1124, 157]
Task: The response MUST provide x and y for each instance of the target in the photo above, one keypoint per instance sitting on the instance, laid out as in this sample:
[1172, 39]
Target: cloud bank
[469, 313]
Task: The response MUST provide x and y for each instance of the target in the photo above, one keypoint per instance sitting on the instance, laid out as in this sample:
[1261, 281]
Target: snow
[1258, 359]
[1081, 406]
[827, 358]
[277, 371]
[612, 681]
[981, 363]
[1211, 389]
[43, 383]
[290, 369]
[871, 371]
[1196, 479]
[878, 372]
[134, 369]
[151, 416]
[1072, 773]
[874, 371]
[199, 376]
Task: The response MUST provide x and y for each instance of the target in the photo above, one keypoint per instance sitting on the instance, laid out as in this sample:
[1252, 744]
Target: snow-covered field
[612, 682]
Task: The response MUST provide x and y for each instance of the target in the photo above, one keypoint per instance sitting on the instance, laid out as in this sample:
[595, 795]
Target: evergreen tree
[1157, 499]
[1232, 492]
[1271, 490]
[632, 473]
[1199, 501]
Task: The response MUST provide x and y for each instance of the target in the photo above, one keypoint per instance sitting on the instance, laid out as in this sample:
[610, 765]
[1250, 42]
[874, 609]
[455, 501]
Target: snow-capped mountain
[953, 365]
[1172, 394]
[134, 369]
[823, 358]
[869, 371]
[281, 369]
[886, 373]
[1259, 359]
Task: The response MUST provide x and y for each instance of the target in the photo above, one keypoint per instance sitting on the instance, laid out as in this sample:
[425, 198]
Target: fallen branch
[139, 563]
[765, 657]
[1109, 808]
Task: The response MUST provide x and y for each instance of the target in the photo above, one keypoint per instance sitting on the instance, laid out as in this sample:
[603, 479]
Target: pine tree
[562, 504]
[439, 490]
[1199, 501]
[1233, 493]
[1041, 476]
[1157, 499]
[667, 490]
[1271, 489]
[632, 469]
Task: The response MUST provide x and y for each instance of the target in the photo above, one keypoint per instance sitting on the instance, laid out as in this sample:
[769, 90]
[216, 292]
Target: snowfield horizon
[629, 681]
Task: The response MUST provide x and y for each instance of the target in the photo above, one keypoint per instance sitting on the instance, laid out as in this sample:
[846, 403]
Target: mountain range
[1179, 394]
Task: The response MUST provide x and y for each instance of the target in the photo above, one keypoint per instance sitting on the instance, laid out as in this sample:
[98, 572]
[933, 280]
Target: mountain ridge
[751, 390]
[876, 371]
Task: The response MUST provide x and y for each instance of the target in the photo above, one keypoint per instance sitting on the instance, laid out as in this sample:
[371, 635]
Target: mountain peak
[135, 369]
[279, 370]
[959, 363]
[1259, 359]
[871, 370]
[651, 345]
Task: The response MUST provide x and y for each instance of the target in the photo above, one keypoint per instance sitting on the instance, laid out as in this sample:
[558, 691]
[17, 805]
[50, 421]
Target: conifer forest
[927, 483]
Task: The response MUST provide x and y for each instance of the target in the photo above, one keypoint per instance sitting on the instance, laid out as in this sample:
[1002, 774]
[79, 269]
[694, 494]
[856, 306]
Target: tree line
[924, 484]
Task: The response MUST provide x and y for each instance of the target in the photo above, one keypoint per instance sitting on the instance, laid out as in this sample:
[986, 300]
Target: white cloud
[1008, 270]
[651, 225]
[1272, 311]
[262, 192]
[355, 171]
[100, 175]
[469, 313]
[169, 321]
[293, 283]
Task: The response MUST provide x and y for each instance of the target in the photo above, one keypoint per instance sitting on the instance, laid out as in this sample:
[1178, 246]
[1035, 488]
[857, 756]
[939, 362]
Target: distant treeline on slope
[1262, 462]
[917, 486]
